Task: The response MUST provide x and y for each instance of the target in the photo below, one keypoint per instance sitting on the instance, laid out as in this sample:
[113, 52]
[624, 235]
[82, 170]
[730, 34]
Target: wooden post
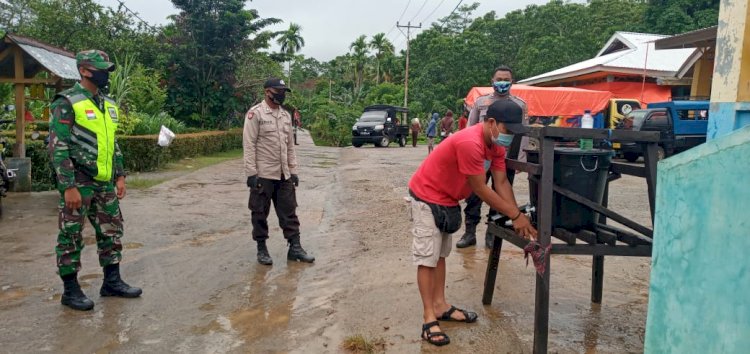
[650, 160]
[544, 205]
[20, 147]
[597, 266]
[492, 266]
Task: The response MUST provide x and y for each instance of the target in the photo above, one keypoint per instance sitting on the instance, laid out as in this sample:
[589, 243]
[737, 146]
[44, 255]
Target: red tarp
[651, 92]
[552, 101]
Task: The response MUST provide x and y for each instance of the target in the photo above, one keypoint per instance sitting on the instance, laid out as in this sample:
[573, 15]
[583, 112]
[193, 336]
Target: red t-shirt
[442, 177]
[462, 122]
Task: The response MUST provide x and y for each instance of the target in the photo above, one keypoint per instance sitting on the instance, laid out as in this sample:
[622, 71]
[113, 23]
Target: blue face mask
[503, 139]
[502, 87]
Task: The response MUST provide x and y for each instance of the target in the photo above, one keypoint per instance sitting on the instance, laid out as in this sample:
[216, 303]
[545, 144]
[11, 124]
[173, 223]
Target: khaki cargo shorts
[429, 243]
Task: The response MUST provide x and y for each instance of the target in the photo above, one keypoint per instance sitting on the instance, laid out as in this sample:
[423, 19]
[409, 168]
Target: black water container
[581, 171]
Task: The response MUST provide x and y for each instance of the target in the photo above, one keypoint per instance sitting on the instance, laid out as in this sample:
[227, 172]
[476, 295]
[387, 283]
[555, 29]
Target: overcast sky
[330, 26]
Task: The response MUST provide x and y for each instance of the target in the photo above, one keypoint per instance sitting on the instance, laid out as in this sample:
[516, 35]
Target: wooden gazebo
[22, 61]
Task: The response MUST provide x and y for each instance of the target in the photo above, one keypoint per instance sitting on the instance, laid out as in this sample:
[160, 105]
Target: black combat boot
[469, 238]
[297, 253]
[114, 286]
[72, 296]
[263, 257]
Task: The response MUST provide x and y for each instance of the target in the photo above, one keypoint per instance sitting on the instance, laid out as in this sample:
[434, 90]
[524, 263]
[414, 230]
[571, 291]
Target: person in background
[463, 121]
[431, 132]
[446, 125]
[416, 127]
[271, 170]
[502, 80]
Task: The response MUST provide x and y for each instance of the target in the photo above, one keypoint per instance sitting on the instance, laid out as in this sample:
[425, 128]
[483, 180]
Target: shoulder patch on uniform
[249, 115]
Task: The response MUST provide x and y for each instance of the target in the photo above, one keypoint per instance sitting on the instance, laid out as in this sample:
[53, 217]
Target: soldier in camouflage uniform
[90, 177]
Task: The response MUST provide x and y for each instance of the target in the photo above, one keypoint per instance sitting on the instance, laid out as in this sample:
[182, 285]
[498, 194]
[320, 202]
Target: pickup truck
[682, 124]
[379, 125]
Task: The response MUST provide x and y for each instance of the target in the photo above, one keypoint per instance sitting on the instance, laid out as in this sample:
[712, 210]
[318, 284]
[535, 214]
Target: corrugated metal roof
[62, 66]
[58, 61]
[631, 59]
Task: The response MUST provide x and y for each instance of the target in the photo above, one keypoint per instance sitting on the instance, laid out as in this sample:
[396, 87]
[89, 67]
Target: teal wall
[699, 298]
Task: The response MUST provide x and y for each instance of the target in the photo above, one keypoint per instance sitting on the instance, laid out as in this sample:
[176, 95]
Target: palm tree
[382, 46]
[291, 42]
[359, 58]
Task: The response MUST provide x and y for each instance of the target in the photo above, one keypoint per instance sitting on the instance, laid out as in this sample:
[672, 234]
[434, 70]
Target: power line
[449, 15]
[433, 11]
[135, 14]
[399, 18]
[404, 12]
[419, 11]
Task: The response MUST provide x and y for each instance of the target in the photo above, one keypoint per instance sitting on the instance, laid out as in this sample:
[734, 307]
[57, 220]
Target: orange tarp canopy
[551, 101]
[648, 93]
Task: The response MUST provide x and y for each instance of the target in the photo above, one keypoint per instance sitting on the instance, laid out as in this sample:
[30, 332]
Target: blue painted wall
[699, 299]
[726, 117]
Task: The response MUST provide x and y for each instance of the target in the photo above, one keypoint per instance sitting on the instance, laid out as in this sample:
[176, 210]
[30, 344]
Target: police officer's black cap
[277, 84]
[509, 113]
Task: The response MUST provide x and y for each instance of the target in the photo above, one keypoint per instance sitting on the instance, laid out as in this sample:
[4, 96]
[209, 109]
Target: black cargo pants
[283, 195]
[474, 206]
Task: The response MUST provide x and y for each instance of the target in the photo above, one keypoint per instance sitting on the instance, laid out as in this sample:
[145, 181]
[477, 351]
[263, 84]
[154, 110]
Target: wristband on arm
[516, 217]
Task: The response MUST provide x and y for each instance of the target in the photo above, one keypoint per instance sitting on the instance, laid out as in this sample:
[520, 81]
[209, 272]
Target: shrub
[42, 178]
[151, 124]
[143, 154]
[146, 94]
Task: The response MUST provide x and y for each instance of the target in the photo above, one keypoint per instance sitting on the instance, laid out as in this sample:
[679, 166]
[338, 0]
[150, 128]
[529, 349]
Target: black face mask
[278, 98]
[100, 78]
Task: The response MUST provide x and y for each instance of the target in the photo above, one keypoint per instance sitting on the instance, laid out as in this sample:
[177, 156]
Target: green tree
[207, 40]
[83, 24]
[382, 46]
[359, 50]
[678, 16]
[291, 42]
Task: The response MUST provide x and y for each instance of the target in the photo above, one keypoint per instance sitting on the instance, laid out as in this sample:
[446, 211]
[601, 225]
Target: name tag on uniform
[90, 114]
[113, 114]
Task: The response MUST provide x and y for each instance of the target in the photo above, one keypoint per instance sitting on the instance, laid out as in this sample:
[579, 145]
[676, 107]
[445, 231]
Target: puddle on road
[13, 294]
[190, 185]
[133, 245]
[90, 276]
[207, 306]
[253, 323]
[324, 164]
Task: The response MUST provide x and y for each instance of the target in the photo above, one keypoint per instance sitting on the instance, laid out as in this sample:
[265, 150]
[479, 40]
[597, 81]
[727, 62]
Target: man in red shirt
[451, 173]
[463, 121]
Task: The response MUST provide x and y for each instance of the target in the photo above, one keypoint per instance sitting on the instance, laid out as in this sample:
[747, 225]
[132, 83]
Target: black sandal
[469, 317]
[428, 335]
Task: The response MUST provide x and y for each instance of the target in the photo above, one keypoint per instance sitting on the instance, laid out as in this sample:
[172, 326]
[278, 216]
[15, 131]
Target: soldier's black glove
[295, 180]
[252, 181]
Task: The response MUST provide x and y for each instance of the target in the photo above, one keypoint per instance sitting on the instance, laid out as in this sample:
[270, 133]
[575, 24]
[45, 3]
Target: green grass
[203, 161]
[360, 344]
[144, 183]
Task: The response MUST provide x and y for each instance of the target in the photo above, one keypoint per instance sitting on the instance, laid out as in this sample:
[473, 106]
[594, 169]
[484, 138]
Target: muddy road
[187, 243]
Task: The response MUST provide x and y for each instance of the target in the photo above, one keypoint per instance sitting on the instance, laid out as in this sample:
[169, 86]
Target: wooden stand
[601, 241]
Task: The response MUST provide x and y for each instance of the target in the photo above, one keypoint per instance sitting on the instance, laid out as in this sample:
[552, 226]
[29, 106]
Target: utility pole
[406, 77]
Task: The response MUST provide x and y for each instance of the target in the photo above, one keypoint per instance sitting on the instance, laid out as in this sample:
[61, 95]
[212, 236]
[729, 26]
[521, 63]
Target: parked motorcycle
[7, 176]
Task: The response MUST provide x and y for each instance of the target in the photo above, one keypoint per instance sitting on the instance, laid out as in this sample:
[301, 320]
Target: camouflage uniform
[77, 164]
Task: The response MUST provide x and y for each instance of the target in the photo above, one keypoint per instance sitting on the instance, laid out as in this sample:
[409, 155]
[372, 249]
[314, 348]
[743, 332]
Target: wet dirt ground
[187, 243]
